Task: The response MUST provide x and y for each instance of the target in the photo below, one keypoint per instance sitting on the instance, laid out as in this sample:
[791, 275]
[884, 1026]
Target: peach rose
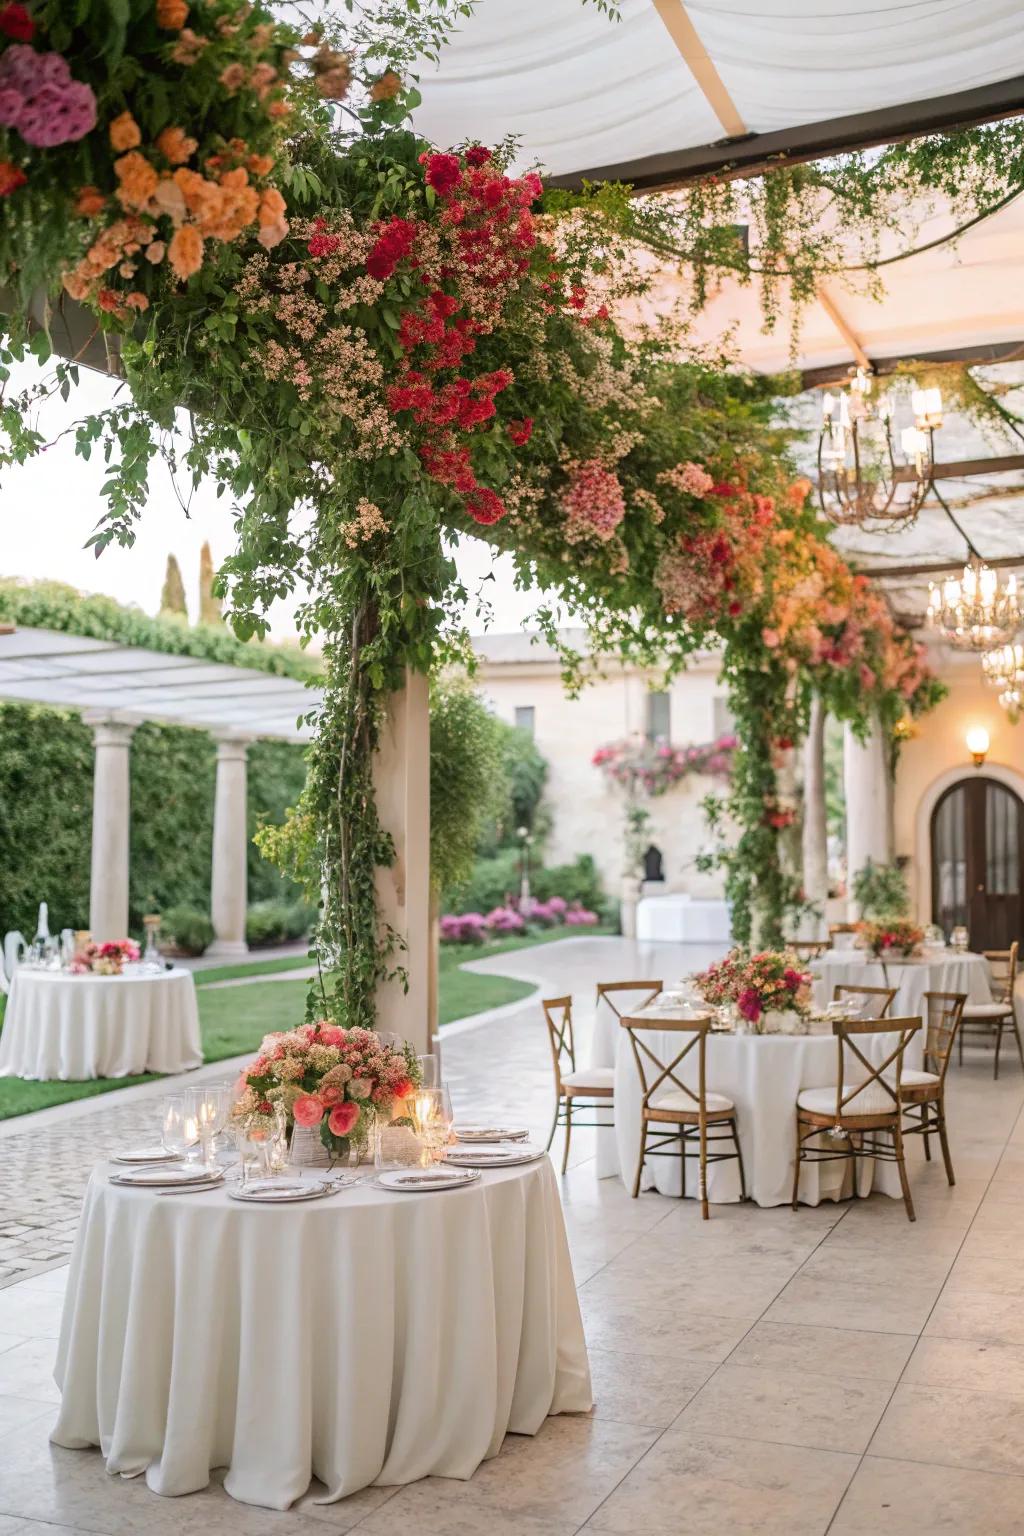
[272, 206]
[343, 1118]
[171, 15]
[138, 180]
[89, 201]
[155, 252]
[170, 199]
[137, 300]
[232, 78]
[175, 145]
[185, 252]
[261, 165]
[308, 1110]
[387, 87]
[124, 133]
[272, 234]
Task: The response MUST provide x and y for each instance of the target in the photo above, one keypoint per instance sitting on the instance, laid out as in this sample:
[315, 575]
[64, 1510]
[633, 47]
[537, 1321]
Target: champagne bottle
[43, 924]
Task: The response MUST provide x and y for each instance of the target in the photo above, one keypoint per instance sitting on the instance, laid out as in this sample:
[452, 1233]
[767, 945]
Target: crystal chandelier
[1004, 669]
[974, 612]
[852, 490]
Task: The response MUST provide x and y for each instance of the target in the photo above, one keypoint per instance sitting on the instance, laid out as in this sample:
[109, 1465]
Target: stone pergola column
[868, 791]
[229, 878]
[815, 827]
[111, 827]
[401, 777]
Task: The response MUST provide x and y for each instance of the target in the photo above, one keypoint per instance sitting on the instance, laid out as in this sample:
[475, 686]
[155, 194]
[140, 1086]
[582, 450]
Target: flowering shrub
[578, 916]
[107, 959]
[767, 982]
[897, 936]
[341, 1080]
[655, 766]
[505, 920]
[469, 928]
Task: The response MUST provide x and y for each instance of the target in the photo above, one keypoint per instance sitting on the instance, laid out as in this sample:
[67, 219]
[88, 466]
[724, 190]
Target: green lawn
[235, 1019]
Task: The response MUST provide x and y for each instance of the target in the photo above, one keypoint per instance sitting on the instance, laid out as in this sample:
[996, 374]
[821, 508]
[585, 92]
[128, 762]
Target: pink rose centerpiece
[772, 981]
[107, 959]
[898, 937]
[340, 1080]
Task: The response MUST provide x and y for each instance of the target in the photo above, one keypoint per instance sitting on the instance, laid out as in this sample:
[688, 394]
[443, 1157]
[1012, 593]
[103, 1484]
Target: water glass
[959, 938]
[179, 1130]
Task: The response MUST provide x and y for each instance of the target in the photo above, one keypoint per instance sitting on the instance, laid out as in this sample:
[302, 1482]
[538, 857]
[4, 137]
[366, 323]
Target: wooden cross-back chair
[671, 1112]
[587, 1088]
[857, 1111]
[875, 1001]
[1000, 1014]
[808, 949]
[609, 991]
[924, 1092]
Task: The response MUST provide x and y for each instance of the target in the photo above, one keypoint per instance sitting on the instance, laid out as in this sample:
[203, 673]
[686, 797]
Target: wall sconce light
[977, 744]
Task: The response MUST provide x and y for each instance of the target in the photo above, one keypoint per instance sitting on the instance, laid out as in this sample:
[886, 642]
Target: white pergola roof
[43, 666]
[588, 95]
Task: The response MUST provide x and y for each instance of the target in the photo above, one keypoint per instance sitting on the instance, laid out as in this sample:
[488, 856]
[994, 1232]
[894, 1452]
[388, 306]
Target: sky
[51, 505]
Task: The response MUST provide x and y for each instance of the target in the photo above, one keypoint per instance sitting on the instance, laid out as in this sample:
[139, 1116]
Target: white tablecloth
[75, 1027]
[762, 1075]
[368, 1338]
[682, 920]
[945, 971]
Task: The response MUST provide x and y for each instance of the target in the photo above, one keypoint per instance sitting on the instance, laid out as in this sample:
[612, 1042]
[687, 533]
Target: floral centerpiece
[106, 959]
[342, 1080]
[771, 981]
[897, 936]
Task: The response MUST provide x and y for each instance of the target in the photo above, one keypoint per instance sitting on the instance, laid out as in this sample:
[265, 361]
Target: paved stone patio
[832, 1370]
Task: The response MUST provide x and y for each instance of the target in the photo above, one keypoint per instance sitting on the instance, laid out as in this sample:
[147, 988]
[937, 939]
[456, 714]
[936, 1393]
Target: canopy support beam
[698, 61]
[757, 153]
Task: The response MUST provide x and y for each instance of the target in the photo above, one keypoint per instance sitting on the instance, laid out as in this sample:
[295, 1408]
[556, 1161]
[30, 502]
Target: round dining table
[368, 1337]
[762, 1075]
[68, 1027]
[934, 970]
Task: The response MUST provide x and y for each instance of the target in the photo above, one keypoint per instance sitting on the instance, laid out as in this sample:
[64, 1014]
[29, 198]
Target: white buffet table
[762, 1074]
[368, 1338]
[76, 1027]
[942, 970]
[681, 919]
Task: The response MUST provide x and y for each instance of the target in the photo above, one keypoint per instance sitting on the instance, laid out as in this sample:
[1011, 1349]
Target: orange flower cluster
[164, 205]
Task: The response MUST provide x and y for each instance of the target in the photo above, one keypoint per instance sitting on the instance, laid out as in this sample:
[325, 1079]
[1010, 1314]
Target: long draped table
[367, 1338]
[762, 1075]
[74, 1027]
[934, 971]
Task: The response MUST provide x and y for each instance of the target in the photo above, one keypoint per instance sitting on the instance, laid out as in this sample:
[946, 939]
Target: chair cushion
[912, 1078]
[872, 1100]
[590, 1077]
[986, 1010]
[675, 1098]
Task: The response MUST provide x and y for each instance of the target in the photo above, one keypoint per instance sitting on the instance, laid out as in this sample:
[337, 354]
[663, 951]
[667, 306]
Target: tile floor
[832, 1370]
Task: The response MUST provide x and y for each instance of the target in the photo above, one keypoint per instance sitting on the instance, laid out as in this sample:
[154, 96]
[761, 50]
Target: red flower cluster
[486, 232]
[11, 178]
[16, 23]
[393, 244]
[321, 243]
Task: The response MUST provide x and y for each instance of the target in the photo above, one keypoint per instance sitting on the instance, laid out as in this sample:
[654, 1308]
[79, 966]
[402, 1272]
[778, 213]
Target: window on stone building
[524, 718]
[722, 717]
[659, 717]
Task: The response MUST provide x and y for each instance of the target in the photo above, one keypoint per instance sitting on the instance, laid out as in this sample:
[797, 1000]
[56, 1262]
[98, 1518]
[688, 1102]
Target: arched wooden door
[977, 861]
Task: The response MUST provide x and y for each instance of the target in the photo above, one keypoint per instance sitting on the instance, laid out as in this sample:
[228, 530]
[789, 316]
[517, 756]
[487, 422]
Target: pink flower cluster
[339, 1079]
[655, 766]
[39, 99]
[105, 959]
[769, 981]
[688, 478]
[593, 502]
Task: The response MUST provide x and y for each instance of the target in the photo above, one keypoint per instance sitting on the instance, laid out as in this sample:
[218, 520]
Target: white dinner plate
[157, 1154]
[410, 1181]
[494, 1157]
[280, 1191]
[166, 1177]
[482, 1134]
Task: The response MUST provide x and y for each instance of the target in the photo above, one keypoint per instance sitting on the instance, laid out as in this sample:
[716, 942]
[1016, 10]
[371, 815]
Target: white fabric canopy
[583, 91]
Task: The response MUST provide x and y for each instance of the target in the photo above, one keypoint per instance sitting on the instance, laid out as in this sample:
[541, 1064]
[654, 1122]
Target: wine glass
[179, 1130]
[433, 1118]
[208, 1107]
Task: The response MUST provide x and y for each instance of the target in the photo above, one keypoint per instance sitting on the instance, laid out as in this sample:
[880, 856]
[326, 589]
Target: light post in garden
[525, 844]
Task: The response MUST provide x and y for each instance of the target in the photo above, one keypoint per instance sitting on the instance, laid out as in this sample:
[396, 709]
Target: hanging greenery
[413, 350]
